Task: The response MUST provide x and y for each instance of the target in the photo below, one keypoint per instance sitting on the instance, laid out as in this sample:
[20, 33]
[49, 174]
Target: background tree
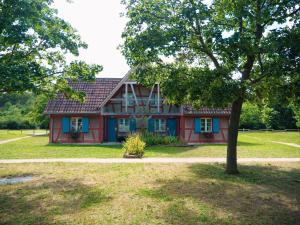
[33, 44]
[251, 116]
[215, 55]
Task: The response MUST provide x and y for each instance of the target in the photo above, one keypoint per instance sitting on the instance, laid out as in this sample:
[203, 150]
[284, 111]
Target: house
[115, 107]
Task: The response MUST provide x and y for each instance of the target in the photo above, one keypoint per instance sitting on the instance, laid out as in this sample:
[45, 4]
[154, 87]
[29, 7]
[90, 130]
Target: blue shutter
[151, 125]
[216, 125]
[197, 125]
[85, 125]
[66, 124]
[132, 125]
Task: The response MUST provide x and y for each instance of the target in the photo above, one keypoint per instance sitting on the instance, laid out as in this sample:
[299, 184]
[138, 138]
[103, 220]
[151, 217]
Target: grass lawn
[250, 145]
[10, 134]
[289, 137]
[151, 194]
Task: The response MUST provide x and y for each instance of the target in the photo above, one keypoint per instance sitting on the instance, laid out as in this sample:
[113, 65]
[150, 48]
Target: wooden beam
[133, 92]
[126, 97]
[150, 95]
[158, 98]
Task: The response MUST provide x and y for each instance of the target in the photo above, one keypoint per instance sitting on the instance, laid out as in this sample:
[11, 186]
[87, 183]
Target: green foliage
[33, 44]
[23, 111]
[157, 139]
[134, 145]
[251, 117]
[196, 51]
[37, 115]
[14, 111]
[296, 110]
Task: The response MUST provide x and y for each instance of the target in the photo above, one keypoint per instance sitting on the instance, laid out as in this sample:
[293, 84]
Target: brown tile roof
[188, 110]
[96, 92]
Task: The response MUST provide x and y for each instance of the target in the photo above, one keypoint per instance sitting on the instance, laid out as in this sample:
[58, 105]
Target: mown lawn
[250, 145]
[174, 194]
[10, 134]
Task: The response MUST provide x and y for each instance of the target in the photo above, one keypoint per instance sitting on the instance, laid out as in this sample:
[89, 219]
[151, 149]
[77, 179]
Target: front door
[112, 126]
[171, 126]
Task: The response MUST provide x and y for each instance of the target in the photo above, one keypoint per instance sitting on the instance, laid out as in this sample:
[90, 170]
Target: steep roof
[96, 93]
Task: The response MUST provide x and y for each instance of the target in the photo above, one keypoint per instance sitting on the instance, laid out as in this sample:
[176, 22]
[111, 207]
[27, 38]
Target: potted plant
[75, 134]
[208, 135]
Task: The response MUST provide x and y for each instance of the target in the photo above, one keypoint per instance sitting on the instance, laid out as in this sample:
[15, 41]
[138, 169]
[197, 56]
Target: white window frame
[162, 125]
[206, 126]
[76, 124]
[123, 125]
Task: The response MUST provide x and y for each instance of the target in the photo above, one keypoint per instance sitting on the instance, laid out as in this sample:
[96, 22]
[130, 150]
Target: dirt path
[285, 143]
[13, 139]
[147, 160]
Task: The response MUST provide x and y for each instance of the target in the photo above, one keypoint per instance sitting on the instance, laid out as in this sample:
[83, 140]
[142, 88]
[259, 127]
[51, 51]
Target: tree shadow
[243, 143]
[259, 195]
[40, 203]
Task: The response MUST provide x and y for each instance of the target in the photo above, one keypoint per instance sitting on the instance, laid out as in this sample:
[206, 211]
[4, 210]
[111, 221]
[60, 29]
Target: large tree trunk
[234, 121]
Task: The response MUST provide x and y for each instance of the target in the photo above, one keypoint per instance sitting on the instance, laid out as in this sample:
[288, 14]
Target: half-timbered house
[114, 108]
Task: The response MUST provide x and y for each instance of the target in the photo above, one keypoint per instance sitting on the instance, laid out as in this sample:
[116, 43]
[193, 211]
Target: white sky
[99, 24]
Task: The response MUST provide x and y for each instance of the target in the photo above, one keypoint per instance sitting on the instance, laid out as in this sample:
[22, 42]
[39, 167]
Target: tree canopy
[33, 45]
[215, 55]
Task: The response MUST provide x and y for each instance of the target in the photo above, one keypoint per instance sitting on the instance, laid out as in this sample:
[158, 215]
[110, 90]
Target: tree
[215, 55]
[251, 116]
[37, 115]
[33, 44]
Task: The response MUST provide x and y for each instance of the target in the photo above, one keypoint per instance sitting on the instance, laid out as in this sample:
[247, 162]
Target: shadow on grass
[84, 145]
[259, 195]
[40, 203]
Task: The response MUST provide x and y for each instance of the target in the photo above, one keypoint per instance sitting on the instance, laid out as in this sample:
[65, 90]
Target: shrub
[157, 139]
[134, 146]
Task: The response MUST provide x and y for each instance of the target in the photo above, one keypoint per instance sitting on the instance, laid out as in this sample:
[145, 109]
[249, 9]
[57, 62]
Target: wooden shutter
[151, 125]
[216, 125]
[197, 125]
[66, 124]
[85, 125]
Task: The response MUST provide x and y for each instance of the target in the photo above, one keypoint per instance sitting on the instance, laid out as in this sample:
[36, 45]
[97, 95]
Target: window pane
[203, 125]
[123, 125]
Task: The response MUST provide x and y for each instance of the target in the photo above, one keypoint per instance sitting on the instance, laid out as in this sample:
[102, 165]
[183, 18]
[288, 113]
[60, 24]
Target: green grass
[289, 137]
[174, 194]
[10, 134]
[250, 145]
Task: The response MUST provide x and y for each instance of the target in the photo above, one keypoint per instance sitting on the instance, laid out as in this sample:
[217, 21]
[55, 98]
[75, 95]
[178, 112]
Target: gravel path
[13, 139]
[147, 160]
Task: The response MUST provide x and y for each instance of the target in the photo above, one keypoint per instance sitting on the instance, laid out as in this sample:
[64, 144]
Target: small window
[153, 100]
[124, 125]
[130, 99]
[76, 124]
[206, 125]
[160, 125]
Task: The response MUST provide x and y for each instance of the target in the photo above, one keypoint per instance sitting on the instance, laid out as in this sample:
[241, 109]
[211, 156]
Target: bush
[134, 146]
[156, 139]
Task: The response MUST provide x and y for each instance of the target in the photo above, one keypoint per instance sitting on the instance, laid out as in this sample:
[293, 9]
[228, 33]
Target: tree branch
[204, 47]
[272, 19]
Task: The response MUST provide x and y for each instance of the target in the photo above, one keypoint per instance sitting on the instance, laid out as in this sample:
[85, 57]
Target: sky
[99, 24]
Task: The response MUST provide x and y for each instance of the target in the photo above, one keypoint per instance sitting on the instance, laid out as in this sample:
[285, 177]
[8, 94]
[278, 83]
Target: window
[76, 124]
[130, 99]
[160, 125]
[206, 125]
[153, 100]
[123, 125]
